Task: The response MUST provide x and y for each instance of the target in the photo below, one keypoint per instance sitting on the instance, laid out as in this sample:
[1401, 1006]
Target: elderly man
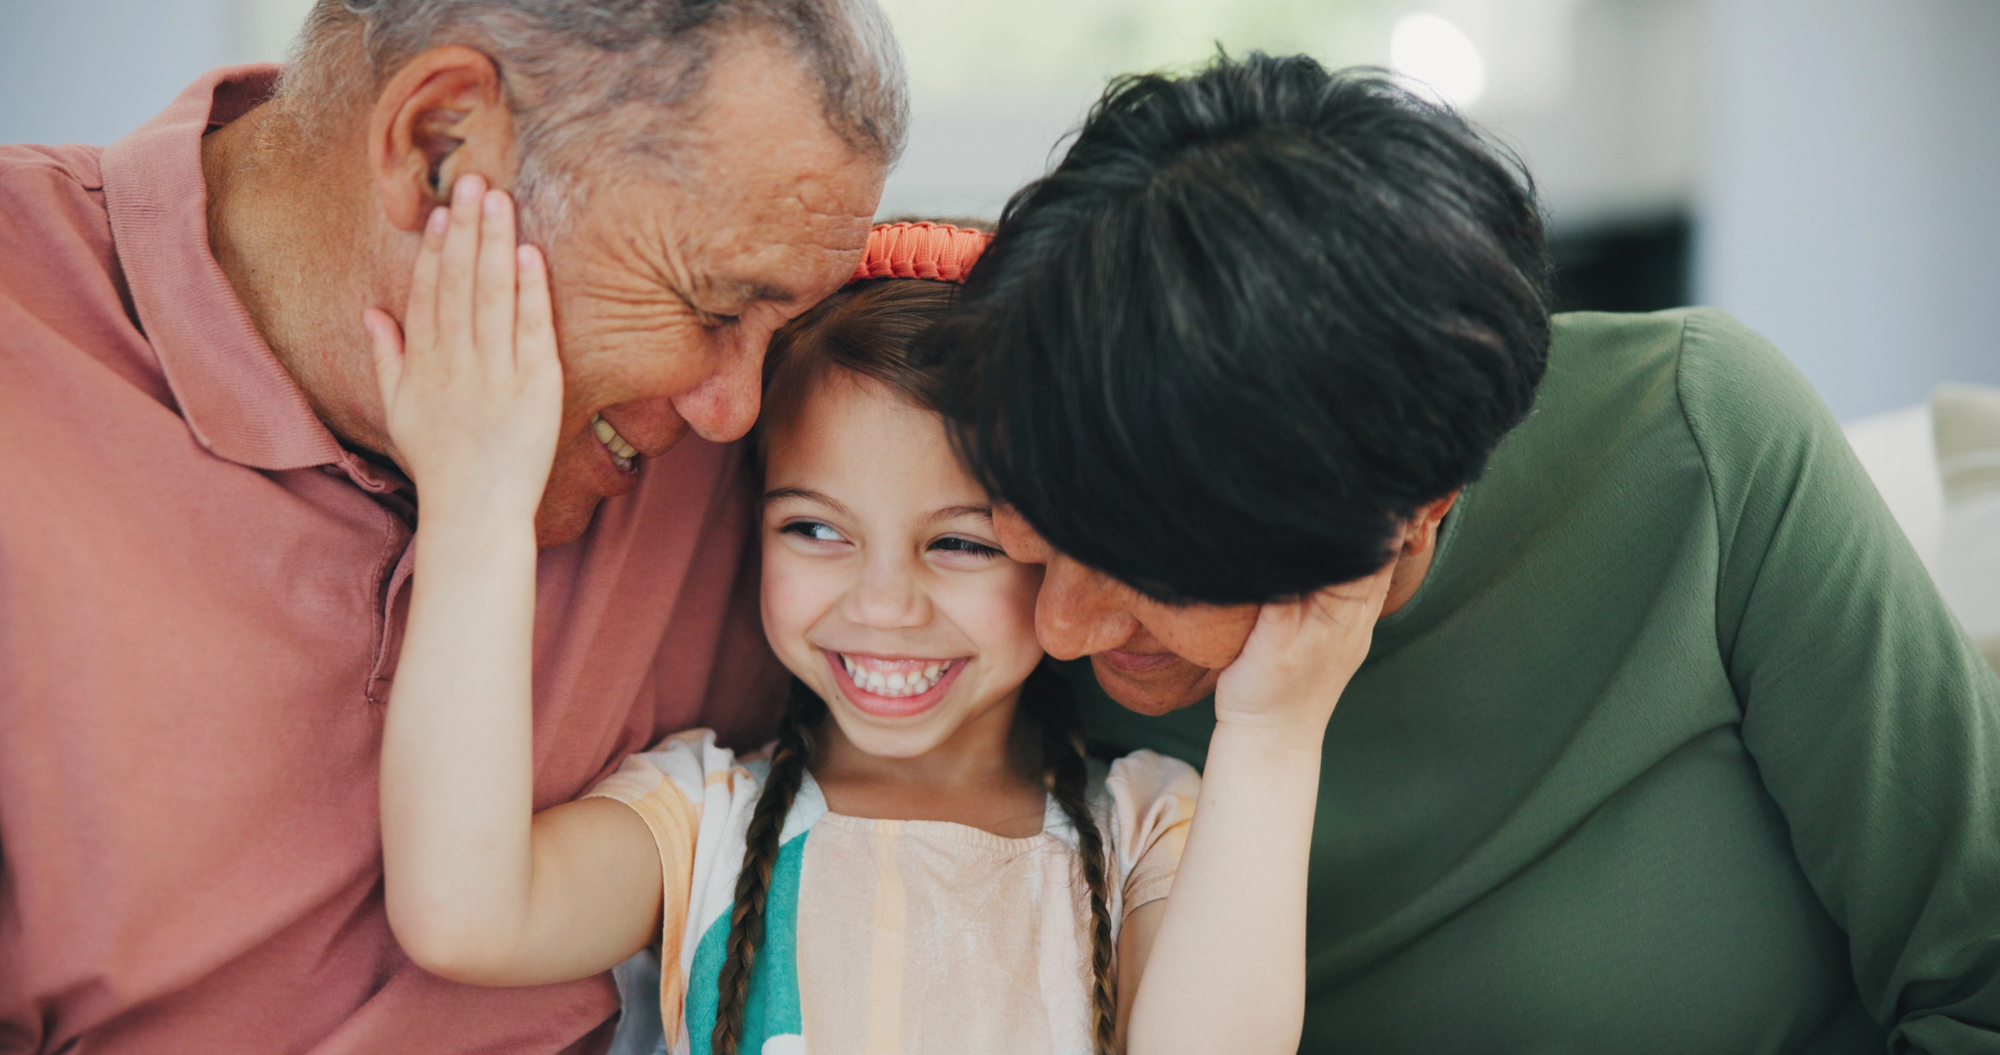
[204, 536]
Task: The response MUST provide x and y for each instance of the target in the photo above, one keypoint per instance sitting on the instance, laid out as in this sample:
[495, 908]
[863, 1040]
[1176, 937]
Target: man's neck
[286, 229]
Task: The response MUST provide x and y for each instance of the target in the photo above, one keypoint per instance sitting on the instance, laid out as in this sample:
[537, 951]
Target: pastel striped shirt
[886, 937]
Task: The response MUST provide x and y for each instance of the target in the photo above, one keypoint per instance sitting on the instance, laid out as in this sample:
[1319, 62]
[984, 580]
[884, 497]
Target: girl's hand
[1300, 656]
[1225, 970]
[471, 385]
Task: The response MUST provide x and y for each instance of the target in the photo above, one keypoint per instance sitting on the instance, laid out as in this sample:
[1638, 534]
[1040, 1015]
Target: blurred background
[1827, 170]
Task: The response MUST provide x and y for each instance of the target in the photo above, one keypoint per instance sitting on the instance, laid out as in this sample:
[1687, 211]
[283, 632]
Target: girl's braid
[803, 712]
[1054, 708]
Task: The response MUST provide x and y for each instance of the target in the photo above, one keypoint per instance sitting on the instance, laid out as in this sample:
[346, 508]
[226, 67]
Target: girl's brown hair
[871, 329]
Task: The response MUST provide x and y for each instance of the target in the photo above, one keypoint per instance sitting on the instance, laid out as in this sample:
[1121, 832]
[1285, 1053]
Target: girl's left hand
[1300, 657]
[471, 383]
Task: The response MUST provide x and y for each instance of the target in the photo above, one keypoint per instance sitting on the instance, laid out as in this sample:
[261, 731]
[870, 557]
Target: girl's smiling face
[885, 589]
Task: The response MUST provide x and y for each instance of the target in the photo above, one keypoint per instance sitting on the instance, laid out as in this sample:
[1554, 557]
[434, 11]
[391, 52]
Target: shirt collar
[237, 399]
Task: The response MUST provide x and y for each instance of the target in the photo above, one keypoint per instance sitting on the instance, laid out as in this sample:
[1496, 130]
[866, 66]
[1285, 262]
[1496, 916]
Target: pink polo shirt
[201, 598]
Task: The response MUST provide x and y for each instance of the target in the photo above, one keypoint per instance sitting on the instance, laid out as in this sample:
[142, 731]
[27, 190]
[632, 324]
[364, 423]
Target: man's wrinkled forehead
[740, 232]
[805, 221]
[812, 181]
[757, 104]
[780, 250]
[753, 196]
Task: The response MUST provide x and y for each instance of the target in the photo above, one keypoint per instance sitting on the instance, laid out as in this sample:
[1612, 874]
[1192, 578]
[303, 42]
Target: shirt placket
[391, 574]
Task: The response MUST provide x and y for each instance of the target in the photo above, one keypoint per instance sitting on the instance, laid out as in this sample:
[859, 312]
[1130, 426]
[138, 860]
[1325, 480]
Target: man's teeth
[906, 682]
[621, 452]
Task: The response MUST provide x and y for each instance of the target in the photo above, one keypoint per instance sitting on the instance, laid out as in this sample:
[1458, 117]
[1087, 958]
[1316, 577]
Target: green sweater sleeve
[1874, 723]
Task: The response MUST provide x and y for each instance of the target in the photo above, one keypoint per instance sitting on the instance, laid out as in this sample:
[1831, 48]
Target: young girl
[924, 862]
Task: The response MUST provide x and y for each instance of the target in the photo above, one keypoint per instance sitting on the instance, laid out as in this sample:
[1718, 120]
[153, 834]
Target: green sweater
[1676, 749]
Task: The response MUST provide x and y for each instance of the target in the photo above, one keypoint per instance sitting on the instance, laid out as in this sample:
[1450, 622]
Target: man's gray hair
[592, 79]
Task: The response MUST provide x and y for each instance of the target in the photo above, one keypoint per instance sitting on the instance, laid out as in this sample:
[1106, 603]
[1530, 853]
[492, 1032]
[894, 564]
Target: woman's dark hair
[872, 329]
[1254, 319]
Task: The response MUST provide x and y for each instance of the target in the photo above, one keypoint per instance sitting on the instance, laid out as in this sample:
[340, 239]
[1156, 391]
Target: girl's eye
[811, 529]
[954, 544]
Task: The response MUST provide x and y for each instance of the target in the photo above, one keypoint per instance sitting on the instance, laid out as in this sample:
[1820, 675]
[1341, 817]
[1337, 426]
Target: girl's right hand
[471, 383]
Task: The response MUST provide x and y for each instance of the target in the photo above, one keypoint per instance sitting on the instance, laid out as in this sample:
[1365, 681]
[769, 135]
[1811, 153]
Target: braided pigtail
[803, 712]
[1047, 698]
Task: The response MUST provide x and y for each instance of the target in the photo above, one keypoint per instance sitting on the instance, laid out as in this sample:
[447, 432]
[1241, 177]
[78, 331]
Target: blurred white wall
[1615, 137]
[995, 86]
[1603, 98]
[1850, 199]
[89, 71]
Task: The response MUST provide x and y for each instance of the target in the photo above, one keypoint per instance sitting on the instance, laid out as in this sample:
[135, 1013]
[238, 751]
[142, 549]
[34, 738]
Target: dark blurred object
[1626, 267]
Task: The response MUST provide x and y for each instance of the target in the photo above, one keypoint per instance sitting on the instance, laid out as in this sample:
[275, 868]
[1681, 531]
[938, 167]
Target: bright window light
[1430, 49]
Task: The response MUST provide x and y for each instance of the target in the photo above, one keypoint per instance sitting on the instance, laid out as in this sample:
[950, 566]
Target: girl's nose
[889, 596]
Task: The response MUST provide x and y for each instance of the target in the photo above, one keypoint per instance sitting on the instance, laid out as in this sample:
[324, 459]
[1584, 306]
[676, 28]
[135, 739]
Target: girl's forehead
[856, 433]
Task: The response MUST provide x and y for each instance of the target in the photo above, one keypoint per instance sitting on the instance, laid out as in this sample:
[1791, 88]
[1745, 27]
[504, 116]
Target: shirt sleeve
[1874, 723]
[1152, 804]
[696, 798]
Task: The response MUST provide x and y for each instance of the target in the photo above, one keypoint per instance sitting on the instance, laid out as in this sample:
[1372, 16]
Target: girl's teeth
[895, 683]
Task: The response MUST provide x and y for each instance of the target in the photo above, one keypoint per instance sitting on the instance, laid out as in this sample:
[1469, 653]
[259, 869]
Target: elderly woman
[1665, 741]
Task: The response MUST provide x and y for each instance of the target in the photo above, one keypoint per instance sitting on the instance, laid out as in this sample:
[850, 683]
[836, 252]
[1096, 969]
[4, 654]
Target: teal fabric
[772, 1009]
[1676, 750]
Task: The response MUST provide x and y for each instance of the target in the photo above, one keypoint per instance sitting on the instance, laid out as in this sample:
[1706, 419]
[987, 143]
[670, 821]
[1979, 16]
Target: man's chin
[563, 518]
[1156, 692]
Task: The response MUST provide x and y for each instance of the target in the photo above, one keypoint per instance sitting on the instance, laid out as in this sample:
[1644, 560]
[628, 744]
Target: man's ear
[441, 116]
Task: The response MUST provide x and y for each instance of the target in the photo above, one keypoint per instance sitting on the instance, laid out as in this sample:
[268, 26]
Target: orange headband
[936, 251]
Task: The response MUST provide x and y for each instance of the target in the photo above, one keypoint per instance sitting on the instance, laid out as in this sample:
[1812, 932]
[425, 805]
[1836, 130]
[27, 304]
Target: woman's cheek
[1203, 634]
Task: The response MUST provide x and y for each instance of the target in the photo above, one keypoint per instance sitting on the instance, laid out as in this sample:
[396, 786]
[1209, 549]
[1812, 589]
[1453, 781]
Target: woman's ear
[1420, 533]
[443, 115]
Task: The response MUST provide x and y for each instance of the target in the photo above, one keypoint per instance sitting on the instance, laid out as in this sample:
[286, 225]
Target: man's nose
[1074, 615]
[724, 407]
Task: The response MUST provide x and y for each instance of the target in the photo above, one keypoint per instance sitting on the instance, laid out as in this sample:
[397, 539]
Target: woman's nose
[1076, 613]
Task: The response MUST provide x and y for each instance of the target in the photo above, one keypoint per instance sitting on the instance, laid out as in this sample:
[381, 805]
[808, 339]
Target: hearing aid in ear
[433, 137]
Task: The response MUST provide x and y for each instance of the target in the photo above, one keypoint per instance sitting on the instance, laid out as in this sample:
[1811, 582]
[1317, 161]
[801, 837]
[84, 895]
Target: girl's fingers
[420, 318]
[1343, 610]
[534, 317]
[494, 290]
[458, 267]
[385, 340]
